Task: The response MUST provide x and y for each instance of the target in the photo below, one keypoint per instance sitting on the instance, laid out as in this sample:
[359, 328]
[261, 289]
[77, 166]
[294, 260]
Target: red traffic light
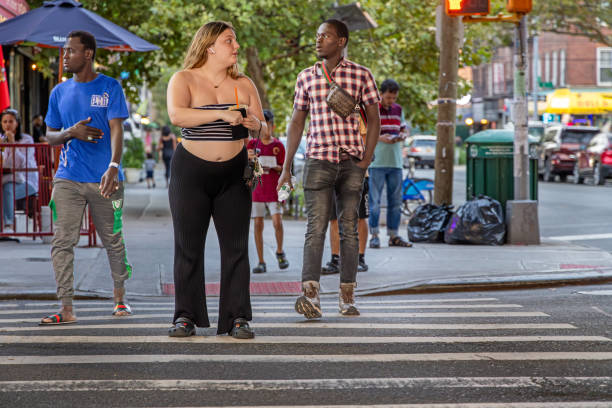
[467, 7]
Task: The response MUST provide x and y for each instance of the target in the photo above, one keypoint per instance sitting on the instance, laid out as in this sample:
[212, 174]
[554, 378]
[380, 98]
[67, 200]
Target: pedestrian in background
[23, 183]
[167, 146]
[150, 170]
[387, 167]
[336, 160]
[271, 154]
[86, 115]
[208, 179]
[38, 129]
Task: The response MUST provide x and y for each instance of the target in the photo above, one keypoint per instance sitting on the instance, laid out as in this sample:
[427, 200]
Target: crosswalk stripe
[288, 305]
[302, 358]
[555, 404]
[299, 384]
[294, 315]
[313, 325]
[44, 339]
[256, 301]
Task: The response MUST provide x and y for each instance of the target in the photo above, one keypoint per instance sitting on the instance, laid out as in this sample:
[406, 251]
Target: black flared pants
[199, 190]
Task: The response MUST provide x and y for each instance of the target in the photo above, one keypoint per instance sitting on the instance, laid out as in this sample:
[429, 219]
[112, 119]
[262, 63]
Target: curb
[476, 283]
[479, 283]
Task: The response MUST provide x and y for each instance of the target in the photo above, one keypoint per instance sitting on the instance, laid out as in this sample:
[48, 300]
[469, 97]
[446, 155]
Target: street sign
[467, 7]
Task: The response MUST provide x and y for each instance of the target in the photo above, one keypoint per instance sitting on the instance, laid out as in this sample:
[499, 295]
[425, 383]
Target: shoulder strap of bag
[326, 74]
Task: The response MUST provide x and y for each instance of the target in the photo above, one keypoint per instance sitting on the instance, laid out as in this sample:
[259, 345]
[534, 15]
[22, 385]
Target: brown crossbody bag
[340, 101]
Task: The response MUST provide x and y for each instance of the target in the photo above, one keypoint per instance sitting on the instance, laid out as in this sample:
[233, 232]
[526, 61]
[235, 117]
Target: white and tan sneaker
[309, 303]
[347, 299]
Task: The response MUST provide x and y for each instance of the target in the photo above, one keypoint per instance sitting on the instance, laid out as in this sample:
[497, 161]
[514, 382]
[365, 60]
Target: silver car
[422, 148]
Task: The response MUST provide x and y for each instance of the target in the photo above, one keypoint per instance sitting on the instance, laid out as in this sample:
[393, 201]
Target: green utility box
[490, 165]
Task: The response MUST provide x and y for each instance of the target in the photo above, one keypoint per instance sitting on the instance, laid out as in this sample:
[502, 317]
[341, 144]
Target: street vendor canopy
[566, 101]
[48, 26]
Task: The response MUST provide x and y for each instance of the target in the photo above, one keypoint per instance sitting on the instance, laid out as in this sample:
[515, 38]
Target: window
[547, 67]
[562, 68]
[555, 61]
[604, 66]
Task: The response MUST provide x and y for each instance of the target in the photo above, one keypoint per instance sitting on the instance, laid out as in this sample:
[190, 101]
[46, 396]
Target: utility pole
[521, 213]
[447, 107]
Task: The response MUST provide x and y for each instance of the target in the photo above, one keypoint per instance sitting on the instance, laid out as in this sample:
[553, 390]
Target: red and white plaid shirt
[328, 133]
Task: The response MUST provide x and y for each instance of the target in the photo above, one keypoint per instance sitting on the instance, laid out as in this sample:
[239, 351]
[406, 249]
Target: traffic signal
[519, 6]
[467, 7]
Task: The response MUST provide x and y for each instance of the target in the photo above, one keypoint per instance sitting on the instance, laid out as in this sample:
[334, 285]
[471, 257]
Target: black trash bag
[479, 221]
[428, 223]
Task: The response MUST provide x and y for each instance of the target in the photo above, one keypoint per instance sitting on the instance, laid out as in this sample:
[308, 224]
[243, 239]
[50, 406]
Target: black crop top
[218, 130]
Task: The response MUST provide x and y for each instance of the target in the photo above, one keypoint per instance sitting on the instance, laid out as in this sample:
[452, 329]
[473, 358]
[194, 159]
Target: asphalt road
[538, 348]
[581, 214]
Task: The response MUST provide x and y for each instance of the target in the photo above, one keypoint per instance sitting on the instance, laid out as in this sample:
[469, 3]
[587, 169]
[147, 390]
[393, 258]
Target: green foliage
[134, 154]
[169, 24]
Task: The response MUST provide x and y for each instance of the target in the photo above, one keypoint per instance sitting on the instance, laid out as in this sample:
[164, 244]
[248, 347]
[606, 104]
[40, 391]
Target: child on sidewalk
[149, 168]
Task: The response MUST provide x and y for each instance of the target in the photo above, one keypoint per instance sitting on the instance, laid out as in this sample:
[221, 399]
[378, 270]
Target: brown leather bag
[340, 101]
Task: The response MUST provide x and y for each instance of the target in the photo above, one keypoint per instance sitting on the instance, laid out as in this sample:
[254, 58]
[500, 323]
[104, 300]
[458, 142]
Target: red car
[595, 161]
[558, 148]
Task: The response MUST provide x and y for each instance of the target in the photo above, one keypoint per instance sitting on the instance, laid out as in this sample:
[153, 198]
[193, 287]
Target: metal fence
[27, 172]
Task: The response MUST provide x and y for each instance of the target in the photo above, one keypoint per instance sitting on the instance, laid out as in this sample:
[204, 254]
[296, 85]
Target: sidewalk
[26, 271]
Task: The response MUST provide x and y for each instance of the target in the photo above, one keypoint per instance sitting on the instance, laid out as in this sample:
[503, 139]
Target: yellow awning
[578, 103]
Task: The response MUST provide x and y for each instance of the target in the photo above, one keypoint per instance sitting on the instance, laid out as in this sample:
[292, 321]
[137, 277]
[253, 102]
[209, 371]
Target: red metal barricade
[23, 166]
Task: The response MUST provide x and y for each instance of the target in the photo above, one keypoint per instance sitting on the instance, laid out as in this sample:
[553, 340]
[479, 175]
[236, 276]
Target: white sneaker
[309, 303]
[347, 299]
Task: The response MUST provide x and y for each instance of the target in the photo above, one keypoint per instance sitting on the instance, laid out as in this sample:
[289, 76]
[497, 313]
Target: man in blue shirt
[86, 115]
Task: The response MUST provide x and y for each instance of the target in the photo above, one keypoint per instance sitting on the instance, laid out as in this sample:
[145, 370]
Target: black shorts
[364, 210]
[149, 173]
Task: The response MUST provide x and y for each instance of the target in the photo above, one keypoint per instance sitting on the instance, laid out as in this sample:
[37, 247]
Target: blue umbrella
[47, 26]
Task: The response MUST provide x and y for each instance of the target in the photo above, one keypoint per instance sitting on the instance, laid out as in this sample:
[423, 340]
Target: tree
[584, 18]
[170, 24]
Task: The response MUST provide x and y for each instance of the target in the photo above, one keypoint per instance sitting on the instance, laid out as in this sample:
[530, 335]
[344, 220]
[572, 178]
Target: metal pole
[535, 79]
[521, 146]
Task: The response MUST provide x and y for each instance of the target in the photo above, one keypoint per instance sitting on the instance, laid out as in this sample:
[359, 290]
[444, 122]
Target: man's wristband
[113, 164]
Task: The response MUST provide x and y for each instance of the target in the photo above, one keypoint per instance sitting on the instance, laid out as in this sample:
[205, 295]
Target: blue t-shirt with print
[70, 102]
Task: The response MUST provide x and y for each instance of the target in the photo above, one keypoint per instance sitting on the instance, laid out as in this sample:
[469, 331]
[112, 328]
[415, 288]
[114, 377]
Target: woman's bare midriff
[212, 150]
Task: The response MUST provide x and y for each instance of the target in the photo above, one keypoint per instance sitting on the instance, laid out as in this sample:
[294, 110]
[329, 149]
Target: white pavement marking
[264, 315]
[587, 237]
[597, 292]
[44, 339]
[301, 358]
[289, 306]
[556, 404]
[290, 300]
[8, 305]
[312, 325]
[301, 384]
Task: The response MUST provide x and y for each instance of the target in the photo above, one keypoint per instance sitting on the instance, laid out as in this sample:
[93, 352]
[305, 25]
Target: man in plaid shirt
[336, 160]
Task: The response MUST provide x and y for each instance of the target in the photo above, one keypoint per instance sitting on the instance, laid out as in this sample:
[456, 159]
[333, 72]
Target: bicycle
[415, 191]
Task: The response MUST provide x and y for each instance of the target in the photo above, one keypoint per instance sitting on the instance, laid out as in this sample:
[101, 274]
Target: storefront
[584, 107]
[28, 89]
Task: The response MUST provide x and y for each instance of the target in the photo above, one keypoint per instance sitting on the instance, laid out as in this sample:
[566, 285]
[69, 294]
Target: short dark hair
[268, 115]
[389, 85]
[87, 39]
[341, 28]
[165, 130]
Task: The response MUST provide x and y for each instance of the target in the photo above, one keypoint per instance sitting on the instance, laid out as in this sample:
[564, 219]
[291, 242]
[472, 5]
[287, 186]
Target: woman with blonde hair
[208, 180]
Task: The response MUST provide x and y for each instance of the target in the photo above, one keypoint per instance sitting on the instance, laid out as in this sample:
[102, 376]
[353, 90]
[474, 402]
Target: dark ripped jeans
[321, 179]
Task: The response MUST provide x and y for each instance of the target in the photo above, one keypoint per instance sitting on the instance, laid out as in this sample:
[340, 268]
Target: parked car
[558, 148]
[536, 129]
[422, 148]
[595, 161]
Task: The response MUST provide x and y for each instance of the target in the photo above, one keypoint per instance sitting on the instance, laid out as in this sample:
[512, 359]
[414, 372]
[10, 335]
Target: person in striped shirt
[387, 167]
[336, 160]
